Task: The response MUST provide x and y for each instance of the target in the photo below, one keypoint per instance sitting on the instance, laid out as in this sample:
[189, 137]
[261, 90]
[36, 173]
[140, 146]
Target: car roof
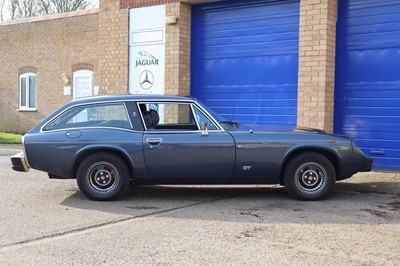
[129, 97]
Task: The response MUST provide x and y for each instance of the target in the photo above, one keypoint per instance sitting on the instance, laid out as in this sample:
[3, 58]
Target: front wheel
[103, 176]
[309, 176]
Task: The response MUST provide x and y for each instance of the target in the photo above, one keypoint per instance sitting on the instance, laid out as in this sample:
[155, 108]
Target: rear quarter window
[104, 115]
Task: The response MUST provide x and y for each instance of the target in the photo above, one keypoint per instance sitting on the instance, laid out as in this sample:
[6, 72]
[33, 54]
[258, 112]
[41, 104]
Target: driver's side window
[175, 116]
[202, 119]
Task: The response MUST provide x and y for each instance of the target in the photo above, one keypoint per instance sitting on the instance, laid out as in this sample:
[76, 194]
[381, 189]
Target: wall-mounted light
[171, 20]
[65, 79]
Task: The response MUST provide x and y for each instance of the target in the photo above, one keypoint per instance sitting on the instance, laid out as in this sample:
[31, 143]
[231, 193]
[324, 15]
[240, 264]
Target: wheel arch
[92, 150]
[329, 154]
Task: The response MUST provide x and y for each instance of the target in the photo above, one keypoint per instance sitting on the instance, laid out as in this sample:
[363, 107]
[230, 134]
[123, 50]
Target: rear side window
[104, 115]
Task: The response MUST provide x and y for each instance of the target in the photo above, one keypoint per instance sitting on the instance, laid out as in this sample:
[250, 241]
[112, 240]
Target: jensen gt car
[107, 143]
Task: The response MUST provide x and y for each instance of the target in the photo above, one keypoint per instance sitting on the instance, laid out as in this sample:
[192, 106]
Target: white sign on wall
[147, 50]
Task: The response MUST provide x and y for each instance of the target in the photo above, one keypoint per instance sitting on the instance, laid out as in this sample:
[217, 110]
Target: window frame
[28, 91]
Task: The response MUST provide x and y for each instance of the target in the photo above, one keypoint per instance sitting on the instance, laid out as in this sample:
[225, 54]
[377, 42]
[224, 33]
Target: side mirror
[204, 127]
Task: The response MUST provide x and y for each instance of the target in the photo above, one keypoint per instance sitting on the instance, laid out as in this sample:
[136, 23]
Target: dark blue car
[108, 142]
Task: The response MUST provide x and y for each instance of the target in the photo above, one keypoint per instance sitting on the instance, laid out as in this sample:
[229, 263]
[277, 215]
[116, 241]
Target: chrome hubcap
[310, 177]
[103, 178]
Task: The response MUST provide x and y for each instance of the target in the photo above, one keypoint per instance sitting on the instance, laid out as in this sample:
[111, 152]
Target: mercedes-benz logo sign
[146, 80]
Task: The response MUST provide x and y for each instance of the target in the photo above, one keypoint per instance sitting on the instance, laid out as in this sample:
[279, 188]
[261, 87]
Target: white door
[82, 88]
[83, 83]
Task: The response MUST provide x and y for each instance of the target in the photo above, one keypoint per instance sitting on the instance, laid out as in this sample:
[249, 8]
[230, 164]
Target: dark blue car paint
[55, 153]
[183, 157]
[188, 155]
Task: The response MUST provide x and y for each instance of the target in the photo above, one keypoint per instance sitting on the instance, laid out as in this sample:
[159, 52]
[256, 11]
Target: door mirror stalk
[204, 127]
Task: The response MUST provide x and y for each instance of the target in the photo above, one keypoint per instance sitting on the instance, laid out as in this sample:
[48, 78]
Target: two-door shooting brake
[109, 142]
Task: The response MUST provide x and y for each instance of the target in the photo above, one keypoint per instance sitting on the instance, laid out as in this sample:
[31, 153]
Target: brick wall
[50, 46]
[177, 50]
[113, 48]
[317, 63]
[141, 3]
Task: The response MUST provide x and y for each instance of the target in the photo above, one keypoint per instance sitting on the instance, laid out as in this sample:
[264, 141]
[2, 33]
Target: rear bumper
[18, 162]
[366, 165]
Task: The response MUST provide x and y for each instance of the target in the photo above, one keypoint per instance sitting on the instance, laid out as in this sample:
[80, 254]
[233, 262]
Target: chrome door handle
[154, 141]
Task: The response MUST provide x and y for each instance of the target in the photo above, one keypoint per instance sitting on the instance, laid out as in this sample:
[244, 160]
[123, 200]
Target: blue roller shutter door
[244, 59]
[367, 85]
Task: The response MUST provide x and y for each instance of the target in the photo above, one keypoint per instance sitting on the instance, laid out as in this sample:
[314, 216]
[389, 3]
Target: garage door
[244, 59]
[367, 86]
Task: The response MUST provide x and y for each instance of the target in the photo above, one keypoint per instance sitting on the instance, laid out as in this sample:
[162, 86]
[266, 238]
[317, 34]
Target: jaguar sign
[146, 59]
[147, 50]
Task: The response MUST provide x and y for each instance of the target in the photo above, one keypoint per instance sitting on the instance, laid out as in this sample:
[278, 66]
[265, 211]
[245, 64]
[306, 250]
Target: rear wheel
[103, 176]
[309, 176]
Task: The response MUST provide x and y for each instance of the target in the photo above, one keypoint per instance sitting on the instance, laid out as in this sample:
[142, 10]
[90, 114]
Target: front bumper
[18, 162]
[366, 165]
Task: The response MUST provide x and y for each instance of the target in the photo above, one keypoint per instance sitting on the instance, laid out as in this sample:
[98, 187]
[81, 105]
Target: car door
[175, 146]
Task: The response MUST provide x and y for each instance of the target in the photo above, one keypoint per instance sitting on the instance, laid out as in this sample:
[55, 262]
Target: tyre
[309, 176]
[103, 176]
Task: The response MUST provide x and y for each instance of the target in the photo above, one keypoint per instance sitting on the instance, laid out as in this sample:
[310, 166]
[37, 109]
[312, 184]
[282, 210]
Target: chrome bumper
[18, 162]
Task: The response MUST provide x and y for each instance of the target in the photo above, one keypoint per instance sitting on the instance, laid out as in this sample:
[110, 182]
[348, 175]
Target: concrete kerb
[369, 182]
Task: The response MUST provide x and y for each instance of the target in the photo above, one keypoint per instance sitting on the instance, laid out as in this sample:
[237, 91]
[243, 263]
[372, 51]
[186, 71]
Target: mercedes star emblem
[146, 79]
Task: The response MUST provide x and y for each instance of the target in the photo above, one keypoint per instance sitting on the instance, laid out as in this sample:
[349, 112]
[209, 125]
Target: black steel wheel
[309, 176]
[103, 176]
